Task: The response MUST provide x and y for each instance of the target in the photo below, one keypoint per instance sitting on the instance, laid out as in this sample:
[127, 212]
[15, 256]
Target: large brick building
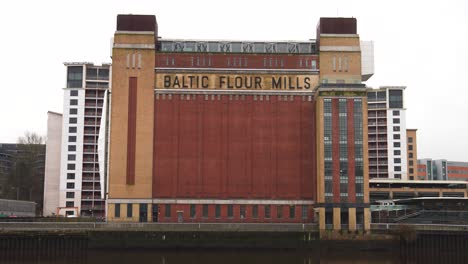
[238, 131]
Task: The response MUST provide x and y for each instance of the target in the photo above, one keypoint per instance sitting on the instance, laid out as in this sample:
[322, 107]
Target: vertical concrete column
[336, 218]
[135, 212]
[110, 212]
[123, 212]
[150, 213]
[322, 218]
[367, 219]
[352, 219]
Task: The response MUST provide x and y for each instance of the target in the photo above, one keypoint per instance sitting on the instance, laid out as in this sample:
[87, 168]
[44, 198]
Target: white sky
[419, 44]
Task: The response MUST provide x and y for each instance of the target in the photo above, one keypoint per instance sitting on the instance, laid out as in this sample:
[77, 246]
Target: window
[254, 211]
[397, 176]
[292, 211]
[397, 160]
[70, 166]
[410, 139]
[279, 211]
[217, 211]
[193, 210]
[382, 95]
[242, 212]
[396, 120]
[71, 148]
[304, 211]
[230, 210]
[411, 170]
[70, 185]
[397, 152]
[205, 210]
[267, 211]
[72, 130]
[167, 210]
[70, 195]
[72, 120]
[74, 93]
[71, 138]
[73, 111]
[395, 98]
[70, 204]
[129, 210]
[73, 101]
[410, 147]
[396, 128]
[397, 168]
[70, 176]
[117, 210]
[71, 157]
[396, 113]
[410, 155]
[396, 136]
[74, 76]
[396, 144]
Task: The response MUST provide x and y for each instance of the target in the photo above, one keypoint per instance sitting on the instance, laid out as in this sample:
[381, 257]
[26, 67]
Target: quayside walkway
[209, 227]
[165, 227]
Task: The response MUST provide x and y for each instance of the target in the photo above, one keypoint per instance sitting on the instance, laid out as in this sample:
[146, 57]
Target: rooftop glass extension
[274, 47]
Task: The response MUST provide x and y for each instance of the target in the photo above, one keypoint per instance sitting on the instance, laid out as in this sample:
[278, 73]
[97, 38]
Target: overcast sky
[419, 44]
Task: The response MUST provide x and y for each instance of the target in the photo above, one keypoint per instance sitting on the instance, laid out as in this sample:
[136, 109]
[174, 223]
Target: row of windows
[244, 62]
[237, 47]
[376, 96]
[327, 108]
[230, 211]
[458, 171]
[342, 64]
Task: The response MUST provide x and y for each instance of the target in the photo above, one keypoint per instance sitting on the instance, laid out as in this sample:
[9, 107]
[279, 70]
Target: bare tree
[27, 174]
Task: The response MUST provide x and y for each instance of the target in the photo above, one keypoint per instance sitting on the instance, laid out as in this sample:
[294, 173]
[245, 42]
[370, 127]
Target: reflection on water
[210, 257]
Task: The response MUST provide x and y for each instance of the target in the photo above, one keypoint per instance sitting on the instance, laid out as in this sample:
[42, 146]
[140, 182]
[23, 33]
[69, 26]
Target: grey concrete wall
[52, 166]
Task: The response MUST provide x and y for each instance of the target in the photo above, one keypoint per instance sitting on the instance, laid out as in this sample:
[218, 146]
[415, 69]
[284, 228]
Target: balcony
[90, 197]
[89, 150]
[90, 169]
[90, 132]
[91, 123]
[93, 113]
[94, 104]
[92, 207]
[91, 187]
[90, 179]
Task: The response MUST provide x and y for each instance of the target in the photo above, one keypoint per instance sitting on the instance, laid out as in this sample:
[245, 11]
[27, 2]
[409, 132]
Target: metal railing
[115, 226]
[420, 227]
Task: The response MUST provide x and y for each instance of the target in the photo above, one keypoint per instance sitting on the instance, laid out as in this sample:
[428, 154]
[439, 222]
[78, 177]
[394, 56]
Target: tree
[26, 178]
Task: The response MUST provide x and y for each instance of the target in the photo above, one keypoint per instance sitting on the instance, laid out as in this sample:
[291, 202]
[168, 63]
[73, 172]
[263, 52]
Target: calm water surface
[209, 257]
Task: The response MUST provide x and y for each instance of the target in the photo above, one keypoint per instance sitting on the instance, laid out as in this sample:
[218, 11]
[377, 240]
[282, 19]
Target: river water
[208, 257]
